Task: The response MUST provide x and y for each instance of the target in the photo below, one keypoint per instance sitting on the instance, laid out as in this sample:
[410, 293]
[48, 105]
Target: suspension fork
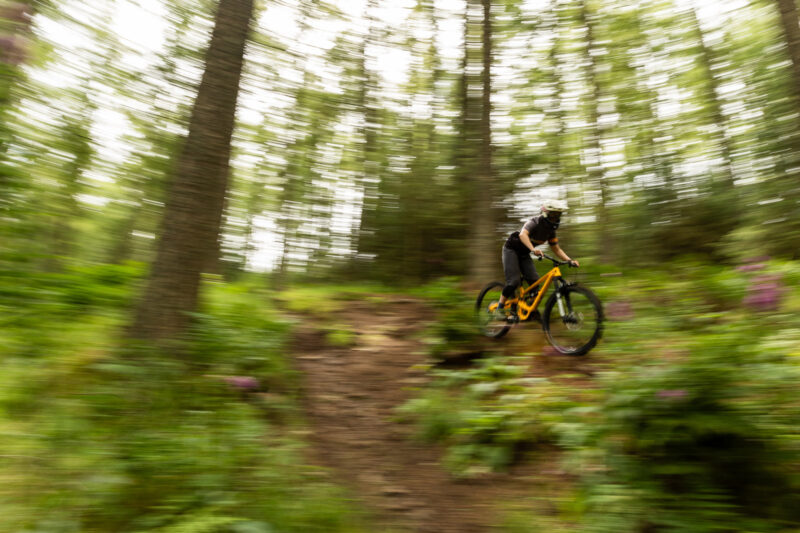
[559, 284]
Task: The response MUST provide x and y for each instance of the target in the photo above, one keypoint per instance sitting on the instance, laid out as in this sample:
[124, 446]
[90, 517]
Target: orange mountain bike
[572, 319]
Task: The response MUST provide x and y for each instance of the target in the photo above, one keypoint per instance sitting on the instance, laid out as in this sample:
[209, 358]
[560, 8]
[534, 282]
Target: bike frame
[523, 309]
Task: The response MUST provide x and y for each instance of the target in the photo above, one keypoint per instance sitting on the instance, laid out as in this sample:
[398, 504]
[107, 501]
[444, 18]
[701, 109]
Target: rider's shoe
[511, 314]
[500, 313]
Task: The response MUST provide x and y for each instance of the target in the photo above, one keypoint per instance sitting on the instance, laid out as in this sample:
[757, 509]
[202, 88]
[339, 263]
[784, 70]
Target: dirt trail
[351, 395]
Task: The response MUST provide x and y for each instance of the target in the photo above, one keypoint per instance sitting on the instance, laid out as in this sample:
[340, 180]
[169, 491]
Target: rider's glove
[573, 263]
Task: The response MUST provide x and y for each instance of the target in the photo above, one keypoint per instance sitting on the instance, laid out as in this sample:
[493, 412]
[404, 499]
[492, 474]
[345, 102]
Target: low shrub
[100, 436]
[486, 415]
[686, 446]
[454, 330]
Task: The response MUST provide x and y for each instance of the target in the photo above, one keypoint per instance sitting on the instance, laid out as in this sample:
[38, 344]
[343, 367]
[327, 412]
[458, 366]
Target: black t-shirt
[539, 230]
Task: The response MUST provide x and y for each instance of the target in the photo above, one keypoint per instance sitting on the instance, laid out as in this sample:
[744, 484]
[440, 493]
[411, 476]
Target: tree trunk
[15, 36]
[483, 246]
[791, 32]
[370, 168]
[594, 168]
[465, 150]
[790, 23]
[555, 143]
[713, 101]
[193, 211]
[75, 135]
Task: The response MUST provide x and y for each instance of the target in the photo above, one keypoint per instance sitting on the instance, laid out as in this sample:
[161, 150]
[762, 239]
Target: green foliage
[726, 287]
[340, 335]
[325, 300]
[745, 241]
[454, 331]
[76, 288]
[689, 424]
[486, 415]
[659, 229]
[83, 303]
[443, 292]
[146, 443]
[107, 438]
[687, 446]
[238, 320]
[96, 285]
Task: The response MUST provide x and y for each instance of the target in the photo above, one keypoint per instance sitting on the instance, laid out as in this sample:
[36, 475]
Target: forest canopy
[407, 137]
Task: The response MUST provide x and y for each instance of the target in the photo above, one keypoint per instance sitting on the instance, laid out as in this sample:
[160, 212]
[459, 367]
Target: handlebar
[557, 262]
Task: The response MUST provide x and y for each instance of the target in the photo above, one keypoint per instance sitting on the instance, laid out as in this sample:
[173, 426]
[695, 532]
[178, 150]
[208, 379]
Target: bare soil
[351, 394]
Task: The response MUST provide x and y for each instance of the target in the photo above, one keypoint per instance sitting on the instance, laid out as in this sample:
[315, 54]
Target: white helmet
[552, 210]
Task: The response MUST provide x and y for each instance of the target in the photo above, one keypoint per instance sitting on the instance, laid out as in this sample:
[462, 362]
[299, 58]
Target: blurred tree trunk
[75, 139]
[787, 184]
[123, 230]
[791, 32]
[555, 142]
[312, 109]
[406, 215]
[790, 23]
[370, 171]
[425, 246]
[711, 96]
[464, 159]
[15, 35]
[193, 211]
[483, 248]
[594, 167]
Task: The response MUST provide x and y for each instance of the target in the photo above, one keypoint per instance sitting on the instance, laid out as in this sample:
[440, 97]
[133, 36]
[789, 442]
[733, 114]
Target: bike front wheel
[573, 320]
[490, 323]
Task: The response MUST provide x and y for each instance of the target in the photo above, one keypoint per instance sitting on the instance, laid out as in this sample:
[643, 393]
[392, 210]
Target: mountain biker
[517, 262]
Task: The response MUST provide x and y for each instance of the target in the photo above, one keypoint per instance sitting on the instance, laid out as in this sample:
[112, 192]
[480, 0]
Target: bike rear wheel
[575, 326]
[490, 324]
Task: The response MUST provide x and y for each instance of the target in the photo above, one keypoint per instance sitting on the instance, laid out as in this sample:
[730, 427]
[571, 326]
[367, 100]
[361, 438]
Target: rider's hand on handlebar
[574, 263]
[537, 253]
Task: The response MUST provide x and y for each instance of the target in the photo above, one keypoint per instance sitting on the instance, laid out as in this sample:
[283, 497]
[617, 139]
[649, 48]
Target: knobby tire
[583, 308]
[482, 310]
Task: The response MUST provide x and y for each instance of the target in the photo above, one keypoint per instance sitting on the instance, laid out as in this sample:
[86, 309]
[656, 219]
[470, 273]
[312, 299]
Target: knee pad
[509, 290]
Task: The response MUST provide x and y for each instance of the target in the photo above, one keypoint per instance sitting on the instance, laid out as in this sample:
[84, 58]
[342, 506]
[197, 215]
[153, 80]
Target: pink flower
[13, 49]
[672, 394]
[19, 12]
[245, 383]
[765, 293]
[754, 264]
[619, 310]
[753, 267]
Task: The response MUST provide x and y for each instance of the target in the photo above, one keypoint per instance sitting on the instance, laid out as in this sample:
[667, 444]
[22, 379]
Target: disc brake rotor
[574, 321]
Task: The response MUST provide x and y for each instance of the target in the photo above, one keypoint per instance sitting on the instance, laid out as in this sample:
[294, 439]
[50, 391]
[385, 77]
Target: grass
[324, 300]
[102, 436]
[323, 303]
